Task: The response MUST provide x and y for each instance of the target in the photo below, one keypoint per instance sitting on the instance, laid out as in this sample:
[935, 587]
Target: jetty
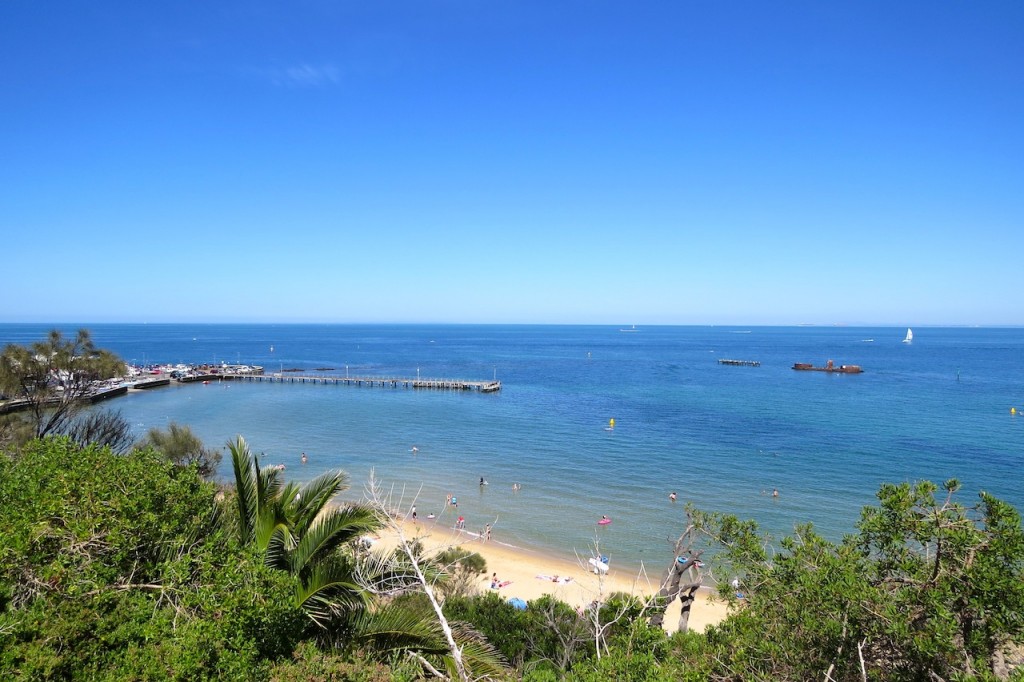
[379, 382]
[740, 363]
[150, 383]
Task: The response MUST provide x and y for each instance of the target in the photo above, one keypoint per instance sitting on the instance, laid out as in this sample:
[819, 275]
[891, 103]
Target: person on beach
[304, 458]
[455, 501]
[460, 523]
[672, 496]
[448, 499]
[487, 532]
[414, 512]
[494, 581]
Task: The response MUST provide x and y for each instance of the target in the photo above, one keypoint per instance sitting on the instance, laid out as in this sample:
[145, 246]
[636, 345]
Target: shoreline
[529, 573]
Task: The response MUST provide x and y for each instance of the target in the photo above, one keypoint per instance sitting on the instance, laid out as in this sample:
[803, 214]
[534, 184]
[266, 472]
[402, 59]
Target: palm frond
[407, 627]
[246, 488]
[333, 528]
[278, 553]
[400, 627]
[329, 589]
[479, 656]
[269, 481]
[315, 495]
[273, 520]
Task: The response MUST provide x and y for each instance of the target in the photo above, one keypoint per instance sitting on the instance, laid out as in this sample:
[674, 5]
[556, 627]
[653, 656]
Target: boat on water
[830, 367]
[631, 329]
[910, 336]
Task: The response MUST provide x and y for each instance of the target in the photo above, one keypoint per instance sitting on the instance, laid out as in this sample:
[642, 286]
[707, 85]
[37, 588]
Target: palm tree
[346, 594]
[300, 534]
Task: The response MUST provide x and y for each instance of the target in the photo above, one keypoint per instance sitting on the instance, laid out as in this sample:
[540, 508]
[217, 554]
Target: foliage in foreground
[114, 566]
[119, 567]
[927, 589]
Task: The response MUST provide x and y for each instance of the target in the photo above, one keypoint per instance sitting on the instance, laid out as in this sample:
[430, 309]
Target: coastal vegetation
[183, 447]
[129, 566]
[51, 378]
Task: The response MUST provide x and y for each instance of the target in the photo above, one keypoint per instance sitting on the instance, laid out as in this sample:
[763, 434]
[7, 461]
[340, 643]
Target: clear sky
[513, 161]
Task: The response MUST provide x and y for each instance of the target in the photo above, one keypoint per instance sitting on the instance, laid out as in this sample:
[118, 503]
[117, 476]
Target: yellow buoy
[611, 423]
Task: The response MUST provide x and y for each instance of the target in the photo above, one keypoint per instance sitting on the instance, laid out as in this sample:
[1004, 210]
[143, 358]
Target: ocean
[722, 437]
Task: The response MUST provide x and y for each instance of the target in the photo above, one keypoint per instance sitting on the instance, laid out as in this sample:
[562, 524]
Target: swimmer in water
[304, 458]
[672, 496]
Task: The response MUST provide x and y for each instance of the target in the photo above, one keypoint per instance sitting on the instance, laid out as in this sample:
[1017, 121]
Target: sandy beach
[528, 575]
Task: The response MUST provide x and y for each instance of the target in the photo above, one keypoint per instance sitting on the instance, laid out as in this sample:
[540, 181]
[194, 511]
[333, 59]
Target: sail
[910, 336]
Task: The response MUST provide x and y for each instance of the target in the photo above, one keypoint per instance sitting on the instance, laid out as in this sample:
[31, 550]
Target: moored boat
[829, 367]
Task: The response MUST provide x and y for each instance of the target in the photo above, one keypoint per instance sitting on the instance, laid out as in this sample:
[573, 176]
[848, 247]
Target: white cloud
[306, 76]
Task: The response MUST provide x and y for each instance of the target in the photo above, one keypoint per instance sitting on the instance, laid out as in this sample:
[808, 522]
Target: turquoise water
[720, 436]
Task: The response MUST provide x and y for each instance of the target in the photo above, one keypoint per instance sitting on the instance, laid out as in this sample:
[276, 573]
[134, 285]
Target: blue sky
[536, 162]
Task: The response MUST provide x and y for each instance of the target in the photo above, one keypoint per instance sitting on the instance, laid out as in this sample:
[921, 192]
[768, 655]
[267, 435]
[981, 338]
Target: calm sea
[721, 436]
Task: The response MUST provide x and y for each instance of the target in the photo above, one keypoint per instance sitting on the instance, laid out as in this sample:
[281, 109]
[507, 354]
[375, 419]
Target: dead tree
[673, 587]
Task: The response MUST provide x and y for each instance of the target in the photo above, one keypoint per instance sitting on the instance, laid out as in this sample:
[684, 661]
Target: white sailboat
[910, 336]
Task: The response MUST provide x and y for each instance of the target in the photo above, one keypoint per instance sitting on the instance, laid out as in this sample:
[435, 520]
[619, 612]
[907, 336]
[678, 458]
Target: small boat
[631, 329]
[910, 336]
[604, 521]
[830, 367]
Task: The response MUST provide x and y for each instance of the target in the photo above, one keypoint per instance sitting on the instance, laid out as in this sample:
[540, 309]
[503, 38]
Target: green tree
[464, 569]
[182, 447]
[51, 378]
[926, 589]
[299, 533]
[106, 428]
[117, 567]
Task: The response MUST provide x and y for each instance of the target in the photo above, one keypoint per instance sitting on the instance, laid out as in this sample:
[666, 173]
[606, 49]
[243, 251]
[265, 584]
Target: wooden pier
[743, 363]
[380, 382]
